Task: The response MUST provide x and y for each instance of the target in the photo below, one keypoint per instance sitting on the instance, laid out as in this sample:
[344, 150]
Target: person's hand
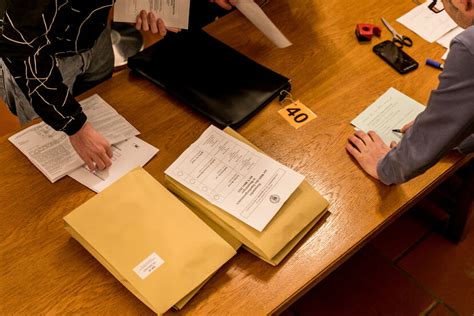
[403, 130]
[147, 21]
[92, 147]
[367, 149]
[405, 127]
[225, 4]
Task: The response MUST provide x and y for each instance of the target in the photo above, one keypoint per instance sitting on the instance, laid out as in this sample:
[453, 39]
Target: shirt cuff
[76, 124]
[380, 172]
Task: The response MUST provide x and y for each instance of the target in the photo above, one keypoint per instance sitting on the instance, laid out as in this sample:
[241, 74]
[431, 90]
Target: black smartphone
[395, 57]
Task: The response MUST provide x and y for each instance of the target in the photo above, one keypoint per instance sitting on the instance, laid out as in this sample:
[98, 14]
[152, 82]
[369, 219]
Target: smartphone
[395, 57]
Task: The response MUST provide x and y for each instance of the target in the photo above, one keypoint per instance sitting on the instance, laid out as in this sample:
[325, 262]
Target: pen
[397, 131]
[434, 63]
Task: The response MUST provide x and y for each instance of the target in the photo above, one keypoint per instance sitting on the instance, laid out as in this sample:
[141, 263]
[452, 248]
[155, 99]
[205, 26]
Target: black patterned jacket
[33, 32]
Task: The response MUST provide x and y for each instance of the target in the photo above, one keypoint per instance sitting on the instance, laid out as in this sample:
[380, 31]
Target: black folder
[209, 76]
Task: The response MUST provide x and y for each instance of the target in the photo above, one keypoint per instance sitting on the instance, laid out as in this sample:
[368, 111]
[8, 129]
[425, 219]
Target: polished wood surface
[44, 271]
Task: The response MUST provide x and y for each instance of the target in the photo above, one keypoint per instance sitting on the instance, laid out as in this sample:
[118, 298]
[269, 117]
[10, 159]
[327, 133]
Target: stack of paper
[427, 24]
[164, 251]
[235, 177]
[391, 111]
[52, 153]
[431, 26]
[245, 195]
[445, 41]
[150, 241]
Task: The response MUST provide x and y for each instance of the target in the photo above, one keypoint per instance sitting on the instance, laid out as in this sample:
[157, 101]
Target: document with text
[427, 24]
[51, 151]
[391, 111]
[235, 177]
[174, 13]
[127, 155]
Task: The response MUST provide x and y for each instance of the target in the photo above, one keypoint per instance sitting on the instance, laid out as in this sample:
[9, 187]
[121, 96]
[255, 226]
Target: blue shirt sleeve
[446, 122]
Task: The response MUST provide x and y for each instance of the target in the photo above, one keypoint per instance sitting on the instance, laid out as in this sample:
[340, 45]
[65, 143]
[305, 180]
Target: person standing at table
[446, 124]
[53, 50]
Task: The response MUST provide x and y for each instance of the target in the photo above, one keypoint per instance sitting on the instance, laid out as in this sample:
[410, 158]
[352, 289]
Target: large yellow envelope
[149, 240]
[297, 216]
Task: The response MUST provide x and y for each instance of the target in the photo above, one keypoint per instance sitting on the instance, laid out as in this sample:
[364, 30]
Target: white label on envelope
[147, 266]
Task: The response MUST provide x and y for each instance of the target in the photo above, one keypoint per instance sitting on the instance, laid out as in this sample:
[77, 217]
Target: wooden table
[44, 271]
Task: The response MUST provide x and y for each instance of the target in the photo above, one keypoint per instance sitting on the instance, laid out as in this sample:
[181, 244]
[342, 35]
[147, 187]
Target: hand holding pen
[404, 128]
[401, 131]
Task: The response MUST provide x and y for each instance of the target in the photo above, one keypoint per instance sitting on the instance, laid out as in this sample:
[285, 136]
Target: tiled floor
[409, 269]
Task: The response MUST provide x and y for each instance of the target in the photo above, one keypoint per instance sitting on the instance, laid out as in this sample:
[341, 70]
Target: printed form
[235, 177]
[175, 13]
[51, 151]
[391, 111]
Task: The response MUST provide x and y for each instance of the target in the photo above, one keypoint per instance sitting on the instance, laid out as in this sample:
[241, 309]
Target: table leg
[458, 223]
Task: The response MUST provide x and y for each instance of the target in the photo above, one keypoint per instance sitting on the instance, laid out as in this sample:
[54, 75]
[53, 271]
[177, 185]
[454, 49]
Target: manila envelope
[297, 216]
[149, 240]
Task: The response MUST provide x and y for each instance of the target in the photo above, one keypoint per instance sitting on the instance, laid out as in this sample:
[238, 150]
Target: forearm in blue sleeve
[446, 122]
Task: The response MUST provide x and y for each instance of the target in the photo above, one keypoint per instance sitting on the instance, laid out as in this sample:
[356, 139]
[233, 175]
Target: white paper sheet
[174, 13]
[51, 151]
[106, 120]
[391, 111]
[256, 15]
[427, 24]
[445, 41]
[445, 55]
[127, 155]
[235, 177]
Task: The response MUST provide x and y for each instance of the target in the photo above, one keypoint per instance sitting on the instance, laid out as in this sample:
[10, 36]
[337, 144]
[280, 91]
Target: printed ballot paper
[174, 13]
[52, 153]
[235, 177]
[391, 111]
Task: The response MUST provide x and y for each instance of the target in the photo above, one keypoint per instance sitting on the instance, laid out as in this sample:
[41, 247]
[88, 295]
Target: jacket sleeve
[28, 53]
[446, 122]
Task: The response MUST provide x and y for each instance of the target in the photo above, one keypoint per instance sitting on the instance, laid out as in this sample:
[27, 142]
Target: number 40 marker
[297, 114]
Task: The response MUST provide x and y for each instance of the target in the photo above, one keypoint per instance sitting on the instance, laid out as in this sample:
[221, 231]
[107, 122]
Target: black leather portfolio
[209, 76]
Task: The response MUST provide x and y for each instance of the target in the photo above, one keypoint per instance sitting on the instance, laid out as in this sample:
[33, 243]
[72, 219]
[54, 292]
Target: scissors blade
[390, 27]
